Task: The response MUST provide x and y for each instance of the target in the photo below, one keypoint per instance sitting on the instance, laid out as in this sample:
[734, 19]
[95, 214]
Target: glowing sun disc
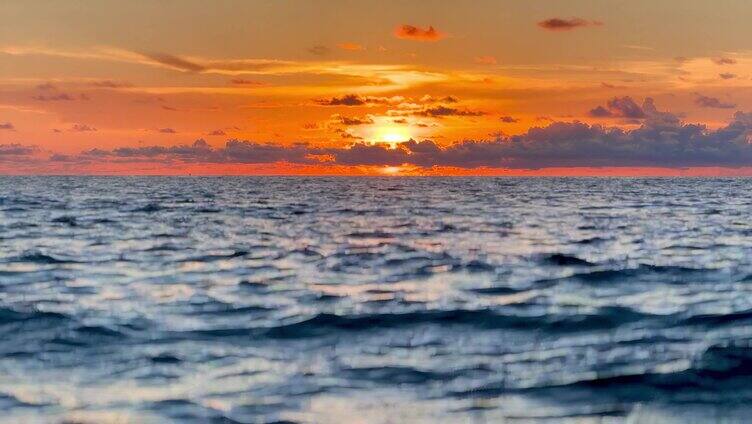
[393, 138]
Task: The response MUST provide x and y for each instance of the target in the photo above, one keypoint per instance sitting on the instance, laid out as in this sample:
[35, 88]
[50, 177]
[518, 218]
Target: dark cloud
[611, 86]
[724, 61]
[625, 107]
[170, 108]
[246, 82]
[560, 24]
[217, 133]
[727, 75]
[508, 119]
[621, 107]
[351, 121]
[48, 86]
[167, 131]
[712, 102]
[405, 102]
[57, 157]
[357, 100]
[175, 62]
[600, 112]
[346, 100]
[347, 135]
[7, 126]
[54, 97]
[445, 99]
[442, 111]
[110, 84]
[410, 32]
[82, 128]
[319, 50]
[16, 149]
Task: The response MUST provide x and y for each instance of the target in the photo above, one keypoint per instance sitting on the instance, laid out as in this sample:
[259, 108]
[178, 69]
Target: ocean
[375, 300]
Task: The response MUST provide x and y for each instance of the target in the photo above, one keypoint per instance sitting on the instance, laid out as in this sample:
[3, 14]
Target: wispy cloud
[376, 77]
[175, 62]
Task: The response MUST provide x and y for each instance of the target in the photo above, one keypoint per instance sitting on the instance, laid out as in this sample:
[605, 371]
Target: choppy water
[324, 300]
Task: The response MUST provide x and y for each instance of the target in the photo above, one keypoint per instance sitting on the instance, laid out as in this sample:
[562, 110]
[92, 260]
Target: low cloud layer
[661, 140]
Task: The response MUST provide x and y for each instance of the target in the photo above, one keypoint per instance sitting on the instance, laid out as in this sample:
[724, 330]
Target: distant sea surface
[375, 300]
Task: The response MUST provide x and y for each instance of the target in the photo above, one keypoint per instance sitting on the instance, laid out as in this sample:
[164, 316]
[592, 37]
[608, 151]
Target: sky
[489, 87]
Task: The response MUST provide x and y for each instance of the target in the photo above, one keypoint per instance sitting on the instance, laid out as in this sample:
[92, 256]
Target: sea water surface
[375, 300]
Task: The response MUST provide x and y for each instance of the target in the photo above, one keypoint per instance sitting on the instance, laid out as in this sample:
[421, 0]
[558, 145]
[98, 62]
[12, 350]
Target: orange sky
[128, 87]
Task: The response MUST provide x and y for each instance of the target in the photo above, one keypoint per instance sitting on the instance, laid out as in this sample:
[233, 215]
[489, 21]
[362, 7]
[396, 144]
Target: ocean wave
[10, 316]
[40, 258]
[607, 317]
[269, 299]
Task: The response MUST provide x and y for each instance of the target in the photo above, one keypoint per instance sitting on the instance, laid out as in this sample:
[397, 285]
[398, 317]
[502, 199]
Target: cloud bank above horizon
[661, 140]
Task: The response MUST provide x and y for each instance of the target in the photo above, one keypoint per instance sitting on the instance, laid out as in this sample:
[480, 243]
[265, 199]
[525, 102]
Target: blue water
[332, 300]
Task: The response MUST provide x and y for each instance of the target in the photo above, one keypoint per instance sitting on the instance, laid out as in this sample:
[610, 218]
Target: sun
[392, 134]
[393, 138]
